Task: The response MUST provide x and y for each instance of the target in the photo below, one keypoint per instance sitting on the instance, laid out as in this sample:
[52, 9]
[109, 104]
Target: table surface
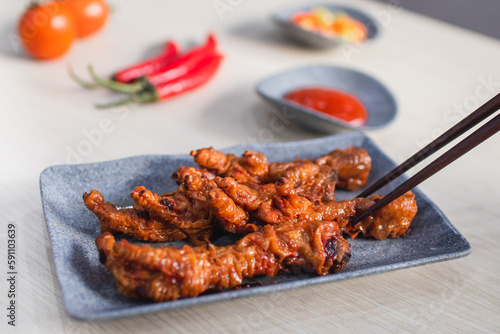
[437, 72]
[476, 15]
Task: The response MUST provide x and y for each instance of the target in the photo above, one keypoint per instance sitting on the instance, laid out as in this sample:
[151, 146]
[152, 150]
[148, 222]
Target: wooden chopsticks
[474, 139]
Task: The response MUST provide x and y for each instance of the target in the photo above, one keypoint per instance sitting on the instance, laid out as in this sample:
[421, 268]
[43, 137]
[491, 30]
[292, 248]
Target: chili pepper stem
[144, 97]
[80, 81]
[131, 88]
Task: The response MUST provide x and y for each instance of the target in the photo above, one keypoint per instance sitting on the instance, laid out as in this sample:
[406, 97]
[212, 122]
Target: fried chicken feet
[286, 212]
[167, 274]
[192, 210]
[351, 165]
[139, 224]
[280, 203]
[391, 221]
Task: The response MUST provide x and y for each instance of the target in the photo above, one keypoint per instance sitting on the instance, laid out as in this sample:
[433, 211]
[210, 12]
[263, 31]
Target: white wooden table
[438, 73]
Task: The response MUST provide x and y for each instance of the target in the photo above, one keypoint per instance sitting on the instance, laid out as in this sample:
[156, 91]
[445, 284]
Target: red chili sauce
[335, 103]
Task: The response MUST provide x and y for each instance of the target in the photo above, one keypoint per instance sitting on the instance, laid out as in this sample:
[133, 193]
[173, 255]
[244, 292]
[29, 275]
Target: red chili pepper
[149, 66]
[175, 69]
[196, 78]
[183, 64]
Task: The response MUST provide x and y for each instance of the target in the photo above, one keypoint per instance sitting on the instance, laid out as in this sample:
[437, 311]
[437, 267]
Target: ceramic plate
[377, 99]
[89, 290]
[283, 19]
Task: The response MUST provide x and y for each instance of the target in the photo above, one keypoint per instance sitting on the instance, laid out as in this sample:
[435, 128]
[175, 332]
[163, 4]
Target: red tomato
[90, 15]
[47, 31]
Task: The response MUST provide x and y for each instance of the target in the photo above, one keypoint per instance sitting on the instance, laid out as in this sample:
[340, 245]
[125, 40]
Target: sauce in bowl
[336, 103]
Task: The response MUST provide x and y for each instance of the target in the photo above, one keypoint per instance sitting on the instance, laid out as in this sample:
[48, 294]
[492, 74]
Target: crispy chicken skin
[166, 273]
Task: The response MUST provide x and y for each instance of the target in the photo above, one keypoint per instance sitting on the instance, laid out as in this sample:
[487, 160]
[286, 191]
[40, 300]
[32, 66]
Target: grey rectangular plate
[89, 290]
